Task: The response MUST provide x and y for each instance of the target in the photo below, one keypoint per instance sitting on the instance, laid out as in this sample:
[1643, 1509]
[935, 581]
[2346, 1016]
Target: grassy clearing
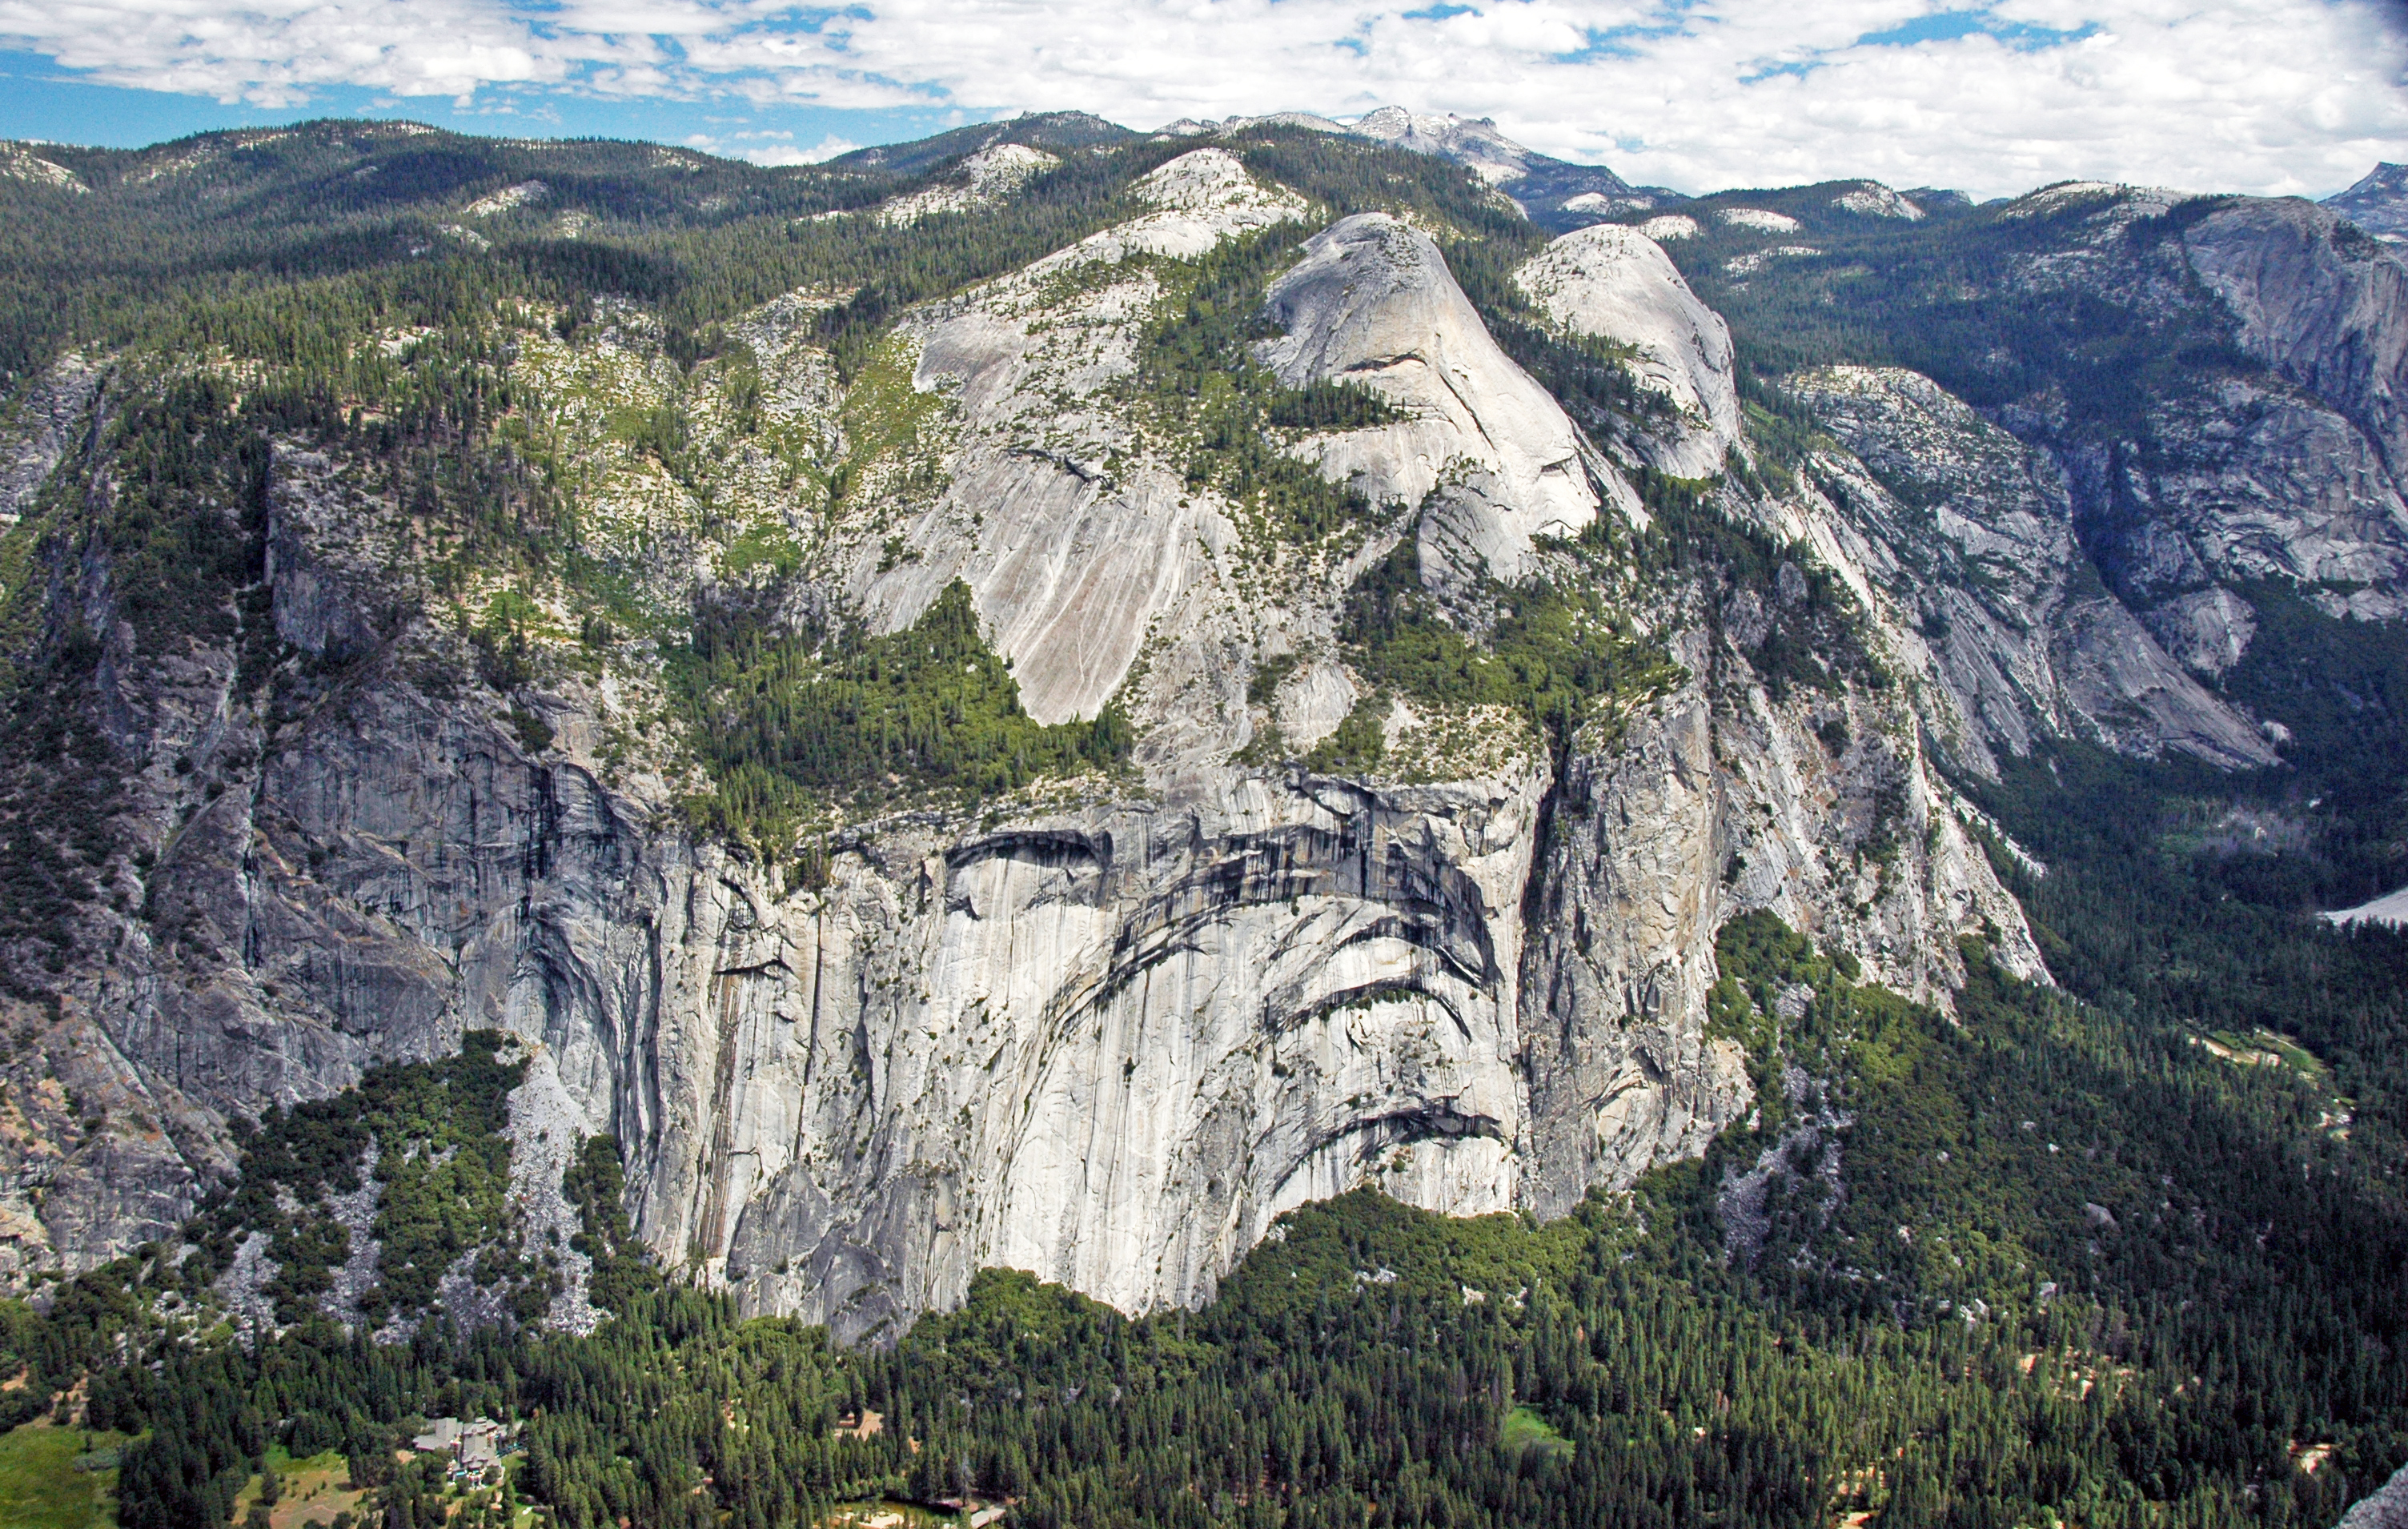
[40, 1487]
[2268, 1049]
[1526, 1432]
[310, 1491]
[887, 1513]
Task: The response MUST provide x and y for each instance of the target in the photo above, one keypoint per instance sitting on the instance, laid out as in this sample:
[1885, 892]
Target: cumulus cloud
[769, 148]
[1990, 96]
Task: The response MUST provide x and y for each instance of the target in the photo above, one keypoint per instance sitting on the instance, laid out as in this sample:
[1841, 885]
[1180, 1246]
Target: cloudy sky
[1993, 96]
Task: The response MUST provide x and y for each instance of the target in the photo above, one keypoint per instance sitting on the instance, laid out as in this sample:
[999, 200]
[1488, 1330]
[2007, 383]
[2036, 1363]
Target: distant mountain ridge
[1050, 130]
[2378, 204]
[1557, 195]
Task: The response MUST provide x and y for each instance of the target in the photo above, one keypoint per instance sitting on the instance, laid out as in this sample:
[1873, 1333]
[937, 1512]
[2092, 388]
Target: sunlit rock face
[1616, 283]
[1372, 303]
[1968, 537]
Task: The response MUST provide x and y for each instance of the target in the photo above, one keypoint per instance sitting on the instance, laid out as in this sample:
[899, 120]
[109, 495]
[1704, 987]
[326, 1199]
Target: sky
[1990, 96]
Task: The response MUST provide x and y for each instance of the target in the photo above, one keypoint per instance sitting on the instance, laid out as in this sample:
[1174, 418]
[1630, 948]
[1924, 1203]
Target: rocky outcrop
[1373, 304]
[2378, 203]
[1616, 284]
[1872, 199]
[983, 178]
[2328, 316]
[38, 429]
[2386, 1507]
[1967, 536]
[2202, 487]
[1721, 799]
[1072, 562]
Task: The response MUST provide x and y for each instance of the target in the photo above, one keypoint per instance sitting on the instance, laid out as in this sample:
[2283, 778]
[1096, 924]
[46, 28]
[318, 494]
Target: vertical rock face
[1719, 800]
[2204, 484]
[1101, 1029]
[2326, 312]
[1073, 562]
[1109, 1047]
[41, 425]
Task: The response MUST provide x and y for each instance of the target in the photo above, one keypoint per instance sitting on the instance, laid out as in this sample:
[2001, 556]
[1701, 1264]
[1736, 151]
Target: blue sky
[38, 99]
[1992, 96]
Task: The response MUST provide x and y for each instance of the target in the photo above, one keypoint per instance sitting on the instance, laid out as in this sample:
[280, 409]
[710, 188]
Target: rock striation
[1968, 536]
[2292, 474]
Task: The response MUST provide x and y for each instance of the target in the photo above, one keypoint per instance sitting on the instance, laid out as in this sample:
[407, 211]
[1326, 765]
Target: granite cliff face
[1969, 538]
[1616, 283]
[2283, 464]
[1490, 457]
[1103, 1027]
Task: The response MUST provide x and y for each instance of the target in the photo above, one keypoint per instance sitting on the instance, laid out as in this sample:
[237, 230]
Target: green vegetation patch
[2266, 1048]
[1528, 1433]
[1814, 633]
[787, 721]
[622, 1268]
[53, 1478]
[1557, 652]
[888, 419]
[442, 1171]
[1198, 385]
[297, 1492]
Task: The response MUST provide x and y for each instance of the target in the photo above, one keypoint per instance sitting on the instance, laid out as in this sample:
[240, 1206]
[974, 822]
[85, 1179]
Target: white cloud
[827, 149]
[771, 148]
[1991, 96]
